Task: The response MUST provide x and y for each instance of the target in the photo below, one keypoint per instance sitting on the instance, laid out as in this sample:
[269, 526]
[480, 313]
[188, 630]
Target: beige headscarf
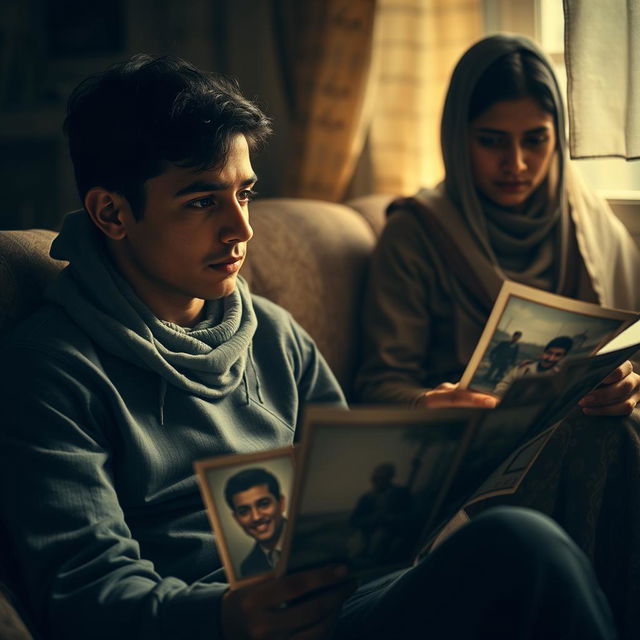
[566, 240]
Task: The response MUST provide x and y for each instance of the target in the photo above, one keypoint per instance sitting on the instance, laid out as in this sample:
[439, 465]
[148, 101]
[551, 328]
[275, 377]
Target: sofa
[311, 258]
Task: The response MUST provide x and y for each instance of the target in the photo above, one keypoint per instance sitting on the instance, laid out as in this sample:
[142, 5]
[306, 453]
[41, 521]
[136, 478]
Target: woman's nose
[514, 159]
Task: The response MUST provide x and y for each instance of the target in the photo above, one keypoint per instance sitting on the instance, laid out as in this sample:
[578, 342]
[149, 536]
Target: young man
[553, 353]
[151, 353]
[258, 506]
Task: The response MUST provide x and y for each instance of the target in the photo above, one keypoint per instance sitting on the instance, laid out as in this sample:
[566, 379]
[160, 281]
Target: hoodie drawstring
[163, 393]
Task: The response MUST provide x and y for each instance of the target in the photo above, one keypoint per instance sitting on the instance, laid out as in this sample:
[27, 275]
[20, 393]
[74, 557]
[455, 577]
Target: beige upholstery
[25, 269]
[309, 256]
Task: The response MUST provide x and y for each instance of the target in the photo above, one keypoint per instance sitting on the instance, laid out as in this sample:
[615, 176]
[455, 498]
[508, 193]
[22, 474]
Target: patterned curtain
[329, 55]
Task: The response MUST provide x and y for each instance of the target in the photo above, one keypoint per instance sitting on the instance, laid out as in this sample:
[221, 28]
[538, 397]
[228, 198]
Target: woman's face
[511, 146]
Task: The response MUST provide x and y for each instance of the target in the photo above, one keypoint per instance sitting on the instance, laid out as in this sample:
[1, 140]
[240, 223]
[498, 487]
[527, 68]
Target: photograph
[370, 479]
[247, 499]
[532, 332]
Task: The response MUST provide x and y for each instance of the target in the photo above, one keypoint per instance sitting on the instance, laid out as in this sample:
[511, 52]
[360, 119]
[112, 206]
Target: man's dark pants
[509, 573]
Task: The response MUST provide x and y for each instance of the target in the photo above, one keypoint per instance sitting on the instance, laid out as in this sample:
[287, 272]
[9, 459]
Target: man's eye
[202, 203]
[242, 511]
[265, 502]
[246, 195]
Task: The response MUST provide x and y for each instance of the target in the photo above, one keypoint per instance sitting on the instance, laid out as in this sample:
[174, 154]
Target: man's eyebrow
[200, 186]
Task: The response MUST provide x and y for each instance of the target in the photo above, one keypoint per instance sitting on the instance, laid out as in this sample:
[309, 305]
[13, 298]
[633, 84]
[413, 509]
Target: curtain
[603, 77]
[416, 46]
[327, 46]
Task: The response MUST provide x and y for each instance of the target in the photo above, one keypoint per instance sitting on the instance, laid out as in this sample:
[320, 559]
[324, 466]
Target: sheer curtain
[355, 88]
[416, 46]
[603, 77]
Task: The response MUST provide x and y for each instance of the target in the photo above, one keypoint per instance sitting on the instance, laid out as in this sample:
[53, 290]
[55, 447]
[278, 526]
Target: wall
[48, 46]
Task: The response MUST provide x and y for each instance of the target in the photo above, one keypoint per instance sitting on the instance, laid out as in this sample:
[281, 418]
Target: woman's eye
[491, 141]
[534, 141]
[246, 195]
[202, 203]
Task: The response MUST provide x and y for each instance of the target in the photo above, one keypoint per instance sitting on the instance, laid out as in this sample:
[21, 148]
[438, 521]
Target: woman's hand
[617, 395]
[447, 395]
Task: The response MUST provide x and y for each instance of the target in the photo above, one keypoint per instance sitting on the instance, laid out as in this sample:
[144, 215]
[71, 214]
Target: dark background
[48, 46]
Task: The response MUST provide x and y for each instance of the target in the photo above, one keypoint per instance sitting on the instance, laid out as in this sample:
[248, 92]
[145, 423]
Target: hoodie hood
[208, 360]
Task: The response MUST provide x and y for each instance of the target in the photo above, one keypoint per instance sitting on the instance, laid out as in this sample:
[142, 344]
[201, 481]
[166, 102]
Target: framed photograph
[531, 332]
[370, 479]
[247, 499]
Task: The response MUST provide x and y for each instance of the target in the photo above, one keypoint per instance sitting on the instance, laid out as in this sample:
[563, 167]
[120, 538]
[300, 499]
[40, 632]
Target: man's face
[260, 514]
[192, 238]
[381, 479]
[551, 357]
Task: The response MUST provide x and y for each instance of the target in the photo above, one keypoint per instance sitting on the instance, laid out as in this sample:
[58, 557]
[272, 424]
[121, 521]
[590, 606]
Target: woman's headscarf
[566, 240]
[530, 246]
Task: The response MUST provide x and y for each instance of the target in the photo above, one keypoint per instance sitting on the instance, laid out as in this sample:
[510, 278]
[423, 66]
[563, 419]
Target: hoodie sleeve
[81, 572]
[316, 382]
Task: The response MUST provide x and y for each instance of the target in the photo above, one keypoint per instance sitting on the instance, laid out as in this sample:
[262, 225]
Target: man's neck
[168, 306]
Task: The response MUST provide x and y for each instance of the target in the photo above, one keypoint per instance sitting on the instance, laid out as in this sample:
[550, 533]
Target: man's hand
[447, 395]
[303, 606]
[617, 395]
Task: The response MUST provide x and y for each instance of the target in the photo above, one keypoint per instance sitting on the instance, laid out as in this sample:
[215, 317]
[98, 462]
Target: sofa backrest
[310, 257]
[25, 270]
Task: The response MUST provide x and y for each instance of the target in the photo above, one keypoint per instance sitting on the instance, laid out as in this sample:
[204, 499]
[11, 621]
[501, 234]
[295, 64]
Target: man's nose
[236, 227]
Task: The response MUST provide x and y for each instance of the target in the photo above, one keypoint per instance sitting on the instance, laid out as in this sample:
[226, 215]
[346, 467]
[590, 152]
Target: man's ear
[109, 211]
[283, 503]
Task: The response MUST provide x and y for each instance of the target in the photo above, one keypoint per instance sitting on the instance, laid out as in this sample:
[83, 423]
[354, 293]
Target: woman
[510, 207]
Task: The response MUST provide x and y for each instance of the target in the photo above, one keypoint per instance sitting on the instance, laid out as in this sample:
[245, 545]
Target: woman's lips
[513, 187]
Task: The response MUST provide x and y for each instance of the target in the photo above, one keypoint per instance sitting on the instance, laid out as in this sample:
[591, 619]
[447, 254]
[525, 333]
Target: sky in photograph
[540, 323]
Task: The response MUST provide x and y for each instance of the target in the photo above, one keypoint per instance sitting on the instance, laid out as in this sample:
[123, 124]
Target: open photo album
[530, 331]
[376, 487]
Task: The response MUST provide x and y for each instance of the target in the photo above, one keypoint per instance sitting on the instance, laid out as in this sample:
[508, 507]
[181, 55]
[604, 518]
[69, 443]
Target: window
[543, 20]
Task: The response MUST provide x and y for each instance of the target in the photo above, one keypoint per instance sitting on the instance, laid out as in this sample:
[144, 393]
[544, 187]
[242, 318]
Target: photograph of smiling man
[257, 505]
[247, 498]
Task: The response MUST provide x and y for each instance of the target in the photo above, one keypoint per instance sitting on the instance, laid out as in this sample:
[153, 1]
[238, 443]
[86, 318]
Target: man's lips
[261, 527]
[228, 265]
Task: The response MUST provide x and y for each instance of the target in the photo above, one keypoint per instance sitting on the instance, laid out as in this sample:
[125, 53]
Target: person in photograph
[510, 207]
[150, 352]
[553, 353]
[384, 517]
[502, 357]
[258, 506]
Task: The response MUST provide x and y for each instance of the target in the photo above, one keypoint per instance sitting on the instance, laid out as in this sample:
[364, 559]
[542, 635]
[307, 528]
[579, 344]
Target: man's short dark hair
[248, 478]
[128, 123]
[561, 342]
